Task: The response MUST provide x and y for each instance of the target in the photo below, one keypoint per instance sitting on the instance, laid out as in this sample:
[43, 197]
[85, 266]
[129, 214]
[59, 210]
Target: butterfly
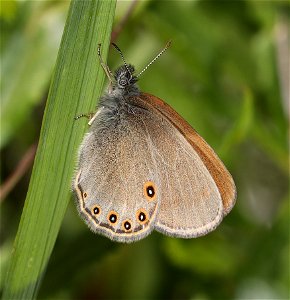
[142, 167]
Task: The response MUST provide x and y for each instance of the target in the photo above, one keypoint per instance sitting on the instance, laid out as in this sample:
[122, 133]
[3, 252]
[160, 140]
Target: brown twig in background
[22, 167]
[118, 28]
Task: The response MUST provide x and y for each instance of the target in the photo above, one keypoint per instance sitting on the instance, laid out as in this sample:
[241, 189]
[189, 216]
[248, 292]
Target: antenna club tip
[168, 44]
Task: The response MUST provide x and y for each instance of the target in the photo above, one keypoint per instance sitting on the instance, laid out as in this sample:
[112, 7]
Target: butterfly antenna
[153, 60]
[122, 56]
[104, 66]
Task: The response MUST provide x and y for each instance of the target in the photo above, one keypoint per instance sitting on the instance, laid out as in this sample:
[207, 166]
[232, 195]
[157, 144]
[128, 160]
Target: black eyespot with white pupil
[127, 225]
[96, 210]
[113, 218]
[150, 191]
[142, 217]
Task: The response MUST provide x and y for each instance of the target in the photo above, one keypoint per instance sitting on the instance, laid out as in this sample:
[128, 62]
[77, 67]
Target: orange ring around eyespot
[93, 210]
[144, 212]
[112, 212]
[123, 225]
[146, 190]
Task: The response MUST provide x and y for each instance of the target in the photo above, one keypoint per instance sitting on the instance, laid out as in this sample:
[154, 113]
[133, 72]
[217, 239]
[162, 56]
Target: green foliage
[75, 85]
[222, 74]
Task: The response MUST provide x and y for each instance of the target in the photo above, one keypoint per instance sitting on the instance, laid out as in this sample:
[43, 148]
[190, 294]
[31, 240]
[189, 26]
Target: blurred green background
[227, 74]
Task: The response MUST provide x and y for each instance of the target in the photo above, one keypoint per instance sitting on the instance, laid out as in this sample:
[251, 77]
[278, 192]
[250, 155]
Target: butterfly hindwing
[117, 180]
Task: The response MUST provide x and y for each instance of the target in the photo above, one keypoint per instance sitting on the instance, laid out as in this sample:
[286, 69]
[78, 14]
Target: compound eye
[123, 82]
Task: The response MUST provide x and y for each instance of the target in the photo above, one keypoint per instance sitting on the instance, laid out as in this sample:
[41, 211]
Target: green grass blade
[76, 85]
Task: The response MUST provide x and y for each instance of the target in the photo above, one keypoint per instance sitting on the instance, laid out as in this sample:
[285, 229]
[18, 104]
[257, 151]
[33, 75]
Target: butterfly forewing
[218, 171]
[190, 202]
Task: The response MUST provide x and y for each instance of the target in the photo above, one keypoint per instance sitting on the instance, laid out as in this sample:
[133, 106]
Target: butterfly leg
[88, 115]
[91, 116]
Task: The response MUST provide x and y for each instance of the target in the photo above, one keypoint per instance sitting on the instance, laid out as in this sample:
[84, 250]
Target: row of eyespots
[113, 217]
[149, 190]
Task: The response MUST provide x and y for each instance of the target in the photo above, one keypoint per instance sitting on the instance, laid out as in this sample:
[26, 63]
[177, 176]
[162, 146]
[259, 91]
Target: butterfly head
[125, 78]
